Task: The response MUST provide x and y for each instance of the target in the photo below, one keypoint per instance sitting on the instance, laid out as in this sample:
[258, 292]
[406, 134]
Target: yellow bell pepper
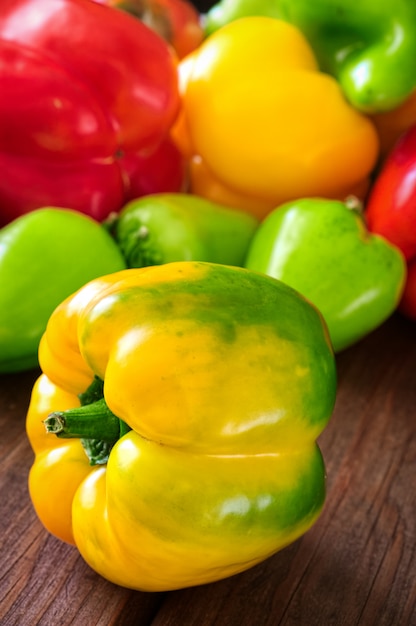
[265, 123]
[196, 391]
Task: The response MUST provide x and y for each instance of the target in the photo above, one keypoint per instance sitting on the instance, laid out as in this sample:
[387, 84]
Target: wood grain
[357, 564]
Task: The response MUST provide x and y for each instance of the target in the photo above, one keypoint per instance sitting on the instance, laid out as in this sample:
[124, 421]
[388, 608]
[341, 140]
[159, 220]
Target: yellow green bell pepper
[192, 455]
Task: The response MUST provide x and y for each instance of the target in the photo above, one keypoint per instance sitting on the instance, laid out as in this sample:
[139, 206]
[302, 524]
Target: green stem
[94, 392]
[91, 421]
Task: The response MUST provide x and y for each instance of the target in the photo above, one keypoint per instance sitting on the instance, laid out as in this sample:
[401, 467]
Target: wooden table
[355, 566]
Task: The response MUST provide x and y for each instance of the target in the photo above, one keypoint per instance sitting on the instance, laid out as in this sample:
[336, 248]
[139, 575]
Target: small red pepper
[391, 205]
[391, 209]
[84, 88]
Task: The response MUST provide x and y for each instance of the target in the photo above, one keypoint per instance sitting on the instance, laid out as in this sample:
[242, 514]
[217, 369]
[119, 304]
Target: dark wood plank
[357, 564]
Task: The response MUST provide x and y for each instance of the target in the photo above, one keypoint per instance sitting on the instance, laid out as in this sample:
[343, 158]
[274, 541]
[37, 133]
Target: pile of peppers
[227, 200]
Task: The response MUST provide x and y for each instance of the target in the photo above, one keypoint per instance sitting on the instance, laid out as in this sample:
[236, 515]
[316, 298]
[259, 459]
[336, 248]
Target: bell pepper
[391, 205]
[391, 208]
[177, 21]
[276, 145]
[369, 46]
[197, 391]
[103, 88]
[323, 249]
[163, 170]
[163, 228]
[45, 256]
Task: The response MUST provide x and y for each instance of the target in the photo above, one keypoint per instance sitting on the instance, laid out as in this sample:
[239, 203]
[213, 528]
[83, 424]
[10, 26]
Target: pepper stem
[354, 204]
[91, 421]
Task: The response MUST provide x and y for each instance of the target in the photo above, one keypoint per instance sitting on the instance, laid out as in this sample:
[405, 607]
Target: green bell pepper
[323, 249]
[163, 228]
[45, 256]
[369, 46]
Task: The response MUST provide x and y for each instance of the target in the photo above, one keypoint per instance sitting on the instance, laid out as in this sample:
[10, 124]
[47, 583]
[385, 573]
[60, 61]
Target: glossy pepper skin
[45, 256]
[225, 378]
[323, 249]
[391, 205]
[391, 208]
[103, 89]
[369, 46]
[296, 146]
[163, 228]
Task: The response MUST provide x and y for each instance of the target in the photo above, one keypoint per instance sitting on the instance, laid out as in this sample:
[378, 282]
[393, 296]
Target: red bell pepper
[84, 89]
[391, 208]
